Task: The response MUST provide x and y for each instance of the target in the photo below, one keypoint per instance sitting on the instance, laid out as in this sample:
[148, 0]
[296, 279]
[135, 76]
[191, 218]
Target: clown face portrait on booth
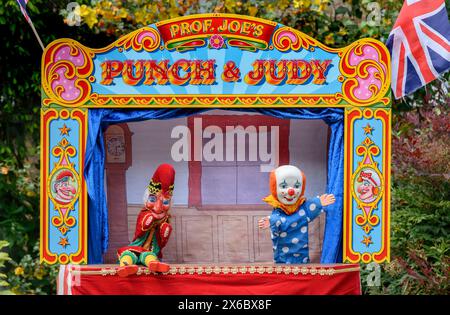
[64, 187]
[367, 186]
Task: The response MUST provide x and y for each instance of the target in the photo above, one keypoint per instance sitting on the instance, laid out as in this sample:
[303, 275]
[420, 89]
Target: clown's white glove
[264, 223]
[327, 199]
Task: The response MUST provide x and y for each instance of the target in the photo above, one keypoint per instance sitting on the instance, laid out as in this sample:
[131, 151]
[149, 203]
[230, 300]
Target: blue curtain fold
[100, 119]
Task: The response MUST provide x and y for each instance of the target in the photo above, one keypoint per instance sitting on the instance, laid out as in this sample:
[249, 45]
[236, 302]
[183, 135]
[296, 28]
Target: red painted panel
[345, 280]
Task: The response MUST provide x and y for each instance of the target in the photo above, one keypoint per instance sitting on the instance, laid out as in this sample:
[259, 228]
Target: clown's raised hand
[263, 223]
[327, 199]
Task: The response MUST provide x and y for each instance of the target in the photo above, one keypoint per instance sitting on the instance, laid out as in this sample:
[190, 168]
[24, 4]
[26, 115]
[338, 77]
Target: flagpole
[36, 34]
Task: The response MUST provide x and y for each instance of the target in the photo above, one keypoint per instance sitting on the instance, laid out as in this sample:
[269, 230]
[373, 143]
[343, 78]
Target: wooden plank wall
[223, 236]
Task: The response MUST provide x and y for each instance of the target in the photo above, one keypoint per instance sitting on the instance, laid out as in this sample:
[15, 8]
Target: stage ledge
[201, 279]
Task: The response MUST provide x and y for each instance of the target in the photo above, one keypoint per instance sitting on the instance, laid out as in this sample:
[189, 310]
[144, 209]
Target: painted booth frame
[70, 86]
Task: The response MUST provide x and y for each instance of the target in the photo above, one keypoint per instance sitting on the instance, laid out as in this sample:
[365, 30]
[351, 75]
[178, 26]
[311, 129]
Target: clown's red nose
[291, 192]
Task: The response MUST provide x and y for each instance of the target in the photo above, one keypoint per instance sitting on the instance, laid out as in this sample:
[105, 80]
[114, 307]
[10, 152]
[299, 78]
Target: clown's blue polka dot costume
[289, 233]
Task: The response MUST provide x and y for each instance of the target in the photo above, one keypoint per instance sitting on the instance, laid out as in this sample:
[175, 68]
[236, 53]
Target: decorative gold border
[349, 255]
[230, 270]
[202, 37]
[215, 15]
[149, 39]
[351, 73]
[367, 154]
[284, 42]
[192, 101]
[146, 38]
[57, 168]
[48, 115]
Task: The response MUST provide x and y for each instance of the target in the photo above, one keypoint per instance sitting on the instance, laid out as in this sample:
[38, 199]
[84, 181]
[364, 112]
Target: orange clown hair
[272, 199]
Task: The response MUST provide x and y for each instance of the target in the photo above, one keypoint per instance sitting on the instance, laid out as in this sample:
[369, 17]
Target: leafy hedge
[19, 135]
[420, 223]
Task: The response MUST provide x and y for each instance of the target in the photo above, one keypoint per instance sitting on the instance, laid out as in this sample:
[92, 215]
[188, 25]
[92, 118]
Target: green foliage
[19, 132]
[336, 23]
[420, 139]
[19, 215]
[420, 218]
[32, 277]
[420, 246]
[4, 257]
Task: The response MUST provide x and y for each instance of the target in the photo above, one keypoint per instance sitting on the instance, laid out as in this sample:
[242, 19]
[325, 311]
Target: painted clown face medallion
[64, 186]
[289, 184]
[367, 185]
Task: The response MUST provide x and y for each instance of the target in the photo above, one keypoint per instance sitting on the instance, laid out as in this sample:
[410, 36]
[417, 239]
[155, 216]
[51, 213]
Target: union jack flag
[419, 44]
[23, 8]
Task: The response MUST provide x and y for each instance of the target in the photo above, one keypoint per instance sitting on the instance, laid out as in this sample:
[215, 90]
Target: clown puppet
[291, 214]
[152, 226]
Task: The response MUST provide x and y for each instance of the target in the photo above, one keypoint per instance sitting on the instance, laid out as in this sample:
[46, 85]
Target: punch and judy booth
[110, 115]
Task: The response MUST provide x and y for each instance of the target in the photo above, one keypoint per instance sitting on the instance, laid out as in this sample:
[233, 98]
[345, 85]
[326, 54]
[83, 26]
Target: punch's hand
[148, 222]
[164, 233]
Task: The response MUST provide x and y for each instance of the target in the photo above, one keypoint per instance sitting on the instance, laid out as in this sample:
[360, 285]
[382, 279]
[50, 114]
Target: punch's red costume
[142, 231]
[152, 225]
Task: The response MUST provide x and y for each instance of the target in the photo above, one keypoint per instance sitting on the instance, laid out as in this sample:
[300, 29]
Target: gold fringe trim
[208, 270]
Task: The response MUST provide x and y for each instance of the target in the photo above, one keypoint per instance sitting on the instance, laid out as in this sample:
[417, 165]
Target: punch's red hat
[62, 177]
[64, 174]
[366, 176]
[163, 180]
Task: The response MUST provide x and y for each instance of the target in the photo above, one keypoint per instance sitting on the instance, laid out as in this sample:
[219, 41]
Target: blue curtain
[100, 119]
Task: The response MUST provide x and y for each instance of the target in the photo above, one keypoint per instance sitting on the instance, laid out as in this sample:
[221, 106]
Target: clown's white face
[289, 184]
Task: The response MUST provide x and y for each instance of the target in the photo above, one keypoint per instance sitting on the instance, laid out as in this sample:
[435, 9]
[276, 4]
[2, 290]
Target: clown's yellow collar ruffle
[288, 209]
